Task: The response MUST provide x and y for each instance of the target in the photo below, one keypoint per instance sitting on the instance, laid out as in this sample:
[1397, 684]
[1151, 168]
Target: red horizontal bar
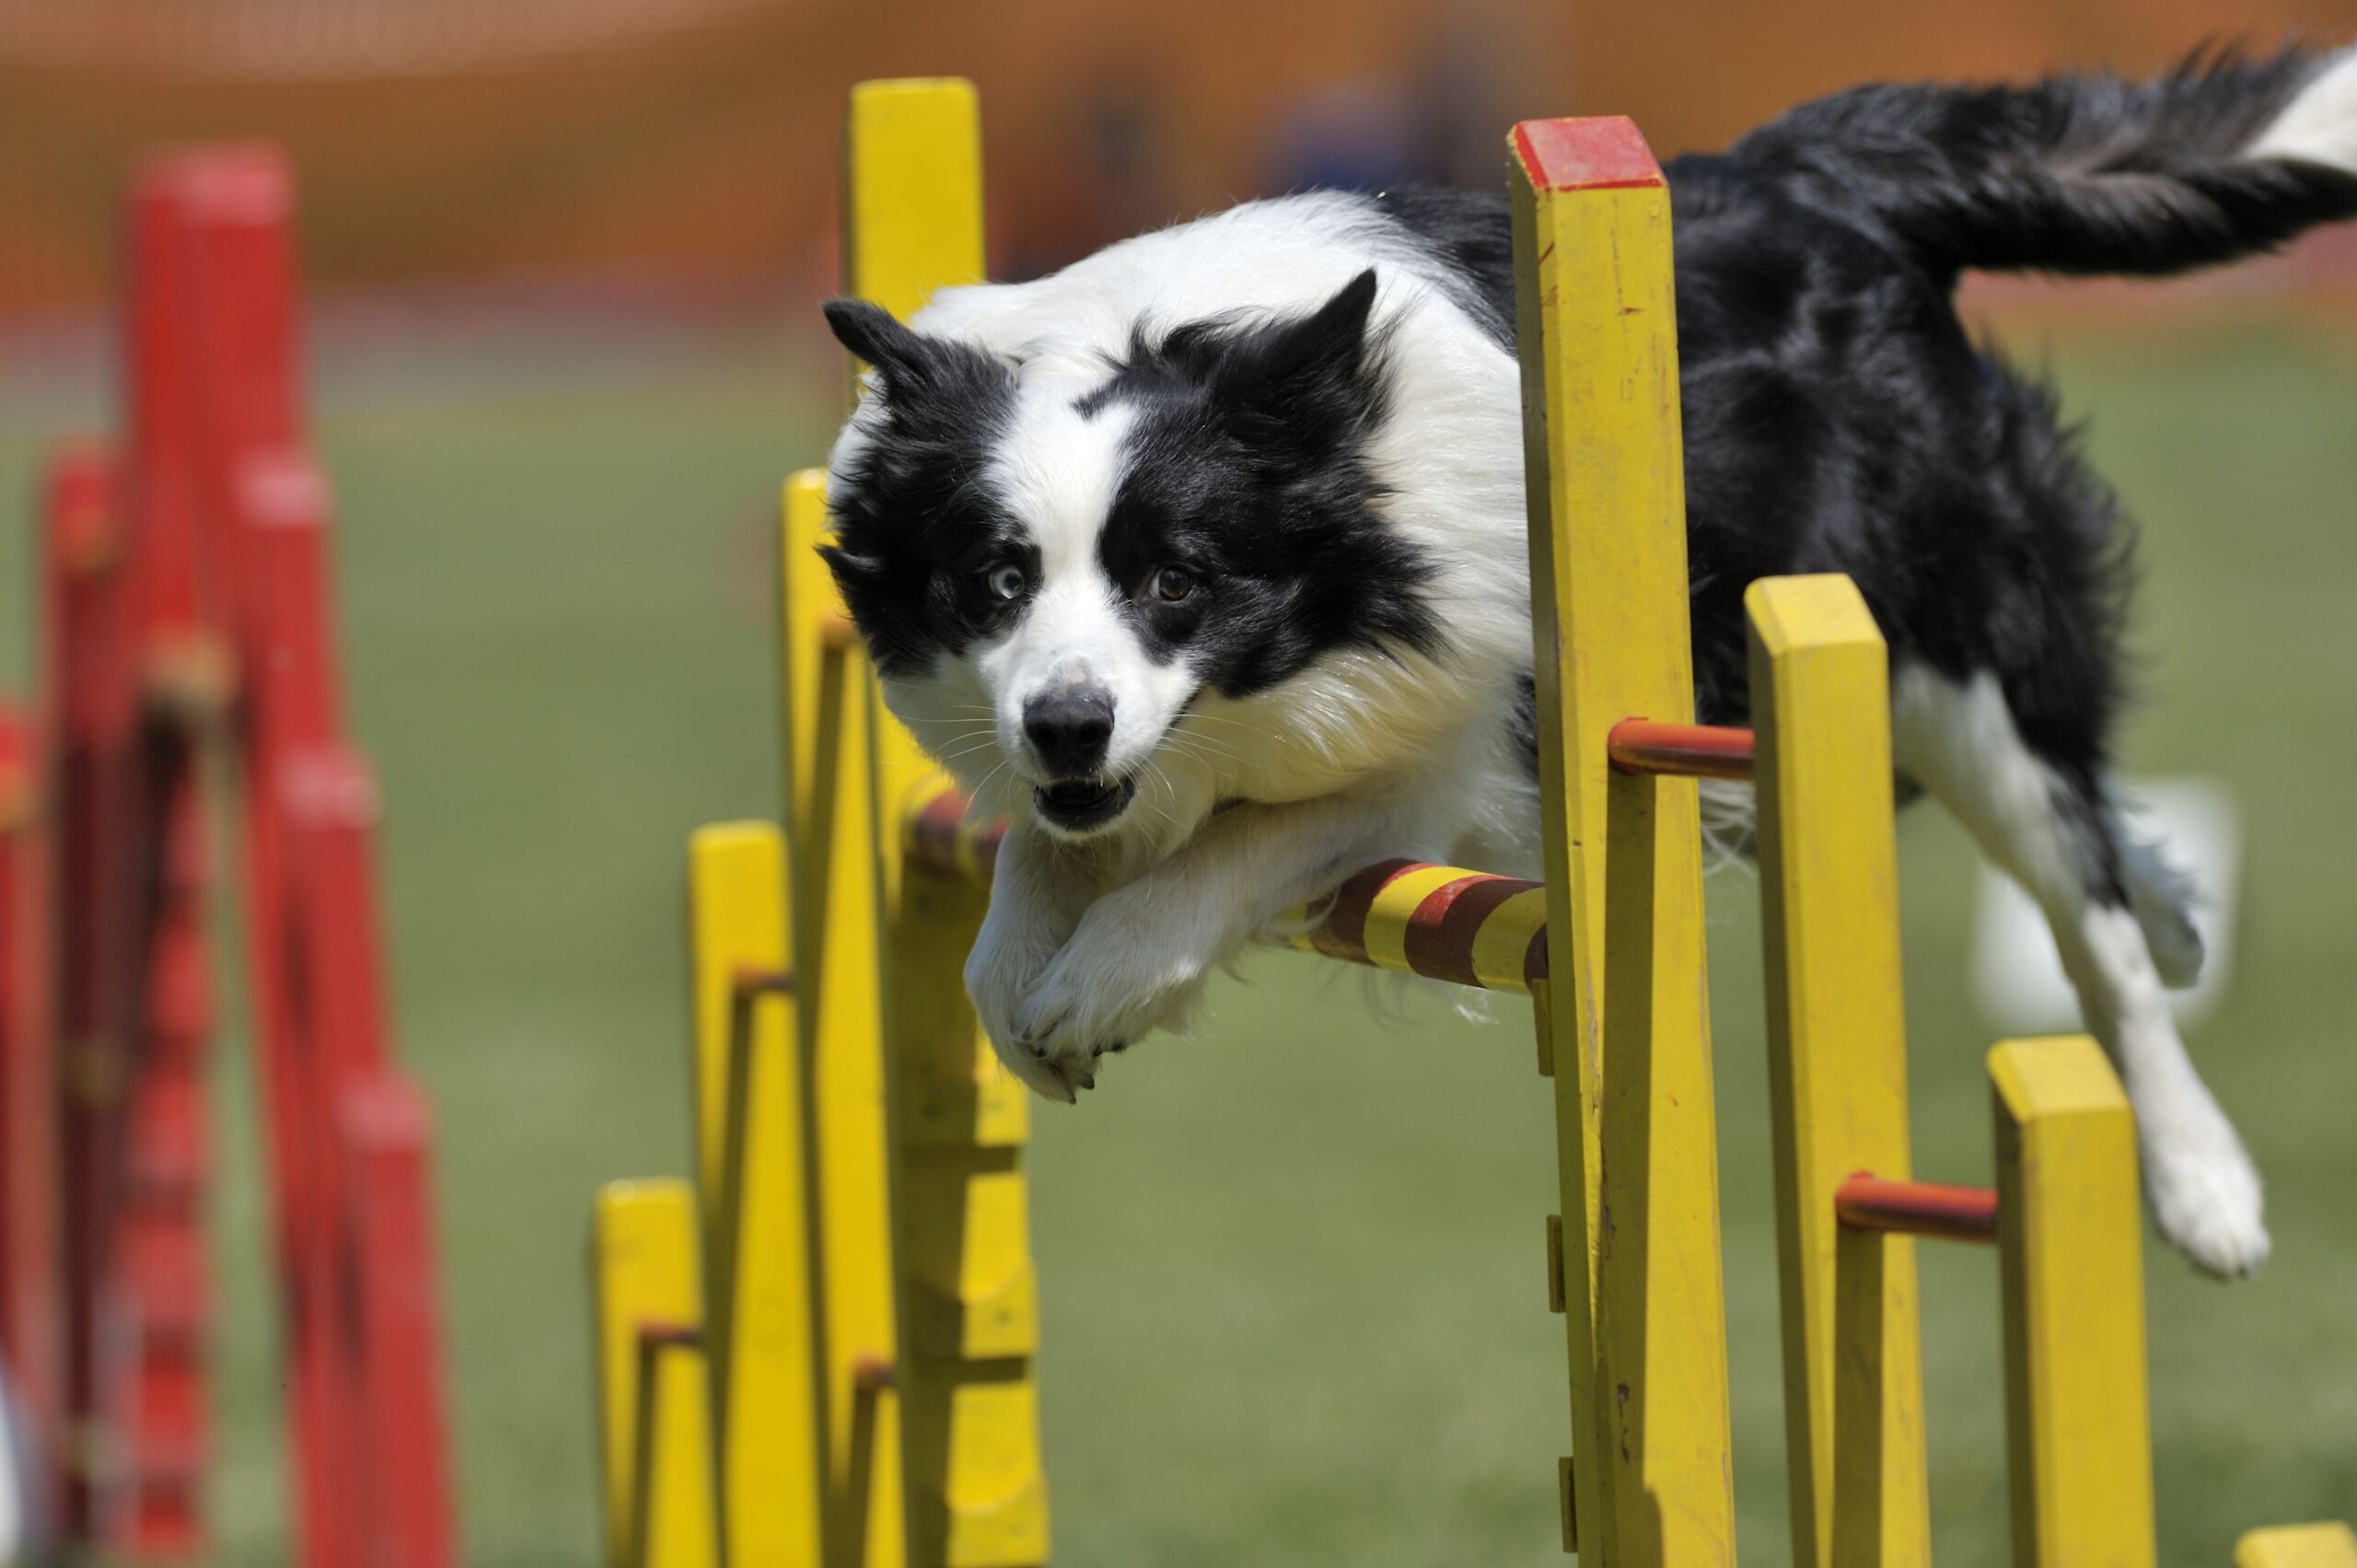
[1917, 1208]
[1682, 750]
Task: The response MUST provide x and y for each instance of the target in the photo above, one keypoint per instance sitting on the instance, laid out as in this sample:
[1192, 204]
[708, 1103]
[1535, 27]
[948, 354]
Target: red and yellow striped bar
[1918, 1208]
[947, 841]
[1680, 751]
[1440, 921]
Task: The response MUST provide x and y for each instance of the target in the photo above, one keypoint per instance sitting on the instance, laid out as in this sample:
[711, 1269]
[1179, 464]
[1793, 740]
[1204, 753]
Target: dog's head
[1071, 570]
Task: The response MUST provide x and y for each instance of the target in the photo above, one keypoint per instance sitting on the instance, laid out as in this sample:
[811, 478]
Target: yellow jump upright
[831, 830]
[2071, 1232]
[652, 1417]
[1622, 1011]
[1837, 1072]
[751, 1169]
[967, 1318]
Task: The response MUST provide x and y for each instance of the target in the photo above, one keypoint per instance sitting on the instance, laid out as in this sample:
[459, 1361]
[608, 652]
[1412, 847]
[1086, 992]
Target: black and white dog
[1202, 561]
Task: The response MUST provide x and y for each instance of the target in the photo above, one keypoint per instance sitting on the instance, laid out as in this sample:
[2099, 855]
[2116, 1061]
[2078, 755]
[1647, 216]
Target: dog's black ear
[1307, 382]
[859, 576]
[1328, 342]
[917, 370]
[871, 331]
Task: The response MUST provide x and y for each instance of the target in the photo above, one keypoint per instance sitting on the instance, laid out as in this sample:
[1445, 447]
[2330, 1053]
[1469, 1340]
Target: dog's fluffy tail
[2224, 158]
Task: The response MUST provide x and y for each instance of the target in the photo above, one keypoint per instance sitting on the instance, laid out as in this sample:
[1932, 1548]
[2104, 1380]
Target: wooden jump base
[187, 617]
[857, 1387]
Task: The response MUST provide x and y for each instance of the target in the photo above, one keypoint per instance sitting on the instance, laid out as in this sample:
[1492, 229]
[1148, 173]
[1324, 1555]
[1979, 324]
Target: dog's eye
[1006, 582]
[1173, 584]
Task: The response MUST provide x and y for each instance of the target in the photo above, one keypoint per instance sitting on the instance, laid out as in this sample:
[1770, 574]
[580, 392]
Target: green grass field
[1293, 1273]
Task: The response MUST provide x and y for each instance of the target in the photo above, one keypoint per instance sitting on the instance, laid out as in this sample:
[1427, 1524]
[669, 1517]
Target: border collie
[1202, 561]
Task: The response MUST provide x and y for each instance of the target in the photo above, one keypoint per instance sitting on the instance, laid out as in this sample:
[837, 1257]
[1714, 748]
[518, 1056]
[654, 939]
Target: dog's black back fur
[1838, 417]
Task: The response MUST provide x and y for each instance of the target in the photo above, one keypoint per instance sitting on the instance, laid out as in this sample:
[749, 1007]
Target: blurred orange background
[694, 139]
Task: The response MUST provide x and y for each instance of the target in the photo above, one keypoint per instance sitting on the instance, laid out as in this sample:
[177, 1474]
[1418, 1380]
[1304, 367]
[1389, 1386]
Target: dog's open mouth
[1078, 805]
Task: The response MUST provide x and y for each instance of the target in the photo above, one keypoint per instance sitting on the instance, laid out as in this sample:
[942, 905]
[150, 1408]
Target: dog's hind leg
[2062, 842]
[2161, 894]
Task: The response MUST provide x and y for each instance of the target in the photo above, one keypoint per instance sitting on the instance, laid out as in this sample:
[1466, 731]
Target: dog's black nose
[1070, 729]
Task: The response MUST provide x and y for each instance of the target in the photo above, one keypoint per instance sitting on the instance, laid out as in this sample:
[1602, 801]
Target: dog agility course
[188, 670]
[818, 1348]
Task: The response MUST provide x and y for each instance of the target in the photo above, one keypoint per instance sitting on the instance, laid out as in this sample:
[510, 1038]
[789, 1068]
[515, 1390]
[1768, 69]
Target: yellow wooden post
[1837, 1044]
[1623, 1003]
[968, 1299]
[752, 1153]
[670, 1469]
[808, 605]
[830, 818]
[912, 191]
[2071, 1232]
[912, 223]
[976, 1497]
[643, 1273]
[2332, 1545]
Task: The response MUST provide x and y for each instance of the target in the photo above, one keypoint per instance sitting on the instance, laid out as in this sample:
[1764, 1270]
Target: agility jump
[819, 1352]
[187, 622]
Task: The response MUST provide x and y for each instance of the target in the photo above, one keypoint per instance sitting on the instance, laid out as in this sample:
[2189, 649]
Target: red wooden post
[162, 402]
[185, 584]
[158, 1245]
[321, 796]
[289, 713]
[92, 707]
[31, 1289]
[381, 1223]
[388, 1234]
[247, 351]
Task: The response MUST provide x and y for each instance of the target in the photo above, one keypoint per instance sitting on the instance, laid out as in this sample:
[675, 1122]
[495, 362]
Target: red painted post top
[233, 183]
[1606, 152]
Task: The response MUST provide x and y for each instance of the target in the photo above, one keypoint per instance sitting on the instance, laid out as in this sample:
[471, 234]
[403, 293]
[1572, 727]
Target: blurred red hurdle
[187, 618]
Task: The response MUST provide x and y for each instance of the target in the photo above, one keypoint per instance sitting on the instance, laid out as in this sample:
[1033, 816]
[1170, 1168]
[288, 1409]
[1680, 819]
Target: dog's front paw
[1013, 948]
[1124, 974]
[2206, 1200]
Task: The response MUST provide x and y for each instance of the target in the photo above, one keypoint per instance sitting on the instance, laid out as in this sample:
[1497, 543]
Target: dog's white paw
[2206, 1199]
[1013, 948]
[1122, 975]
